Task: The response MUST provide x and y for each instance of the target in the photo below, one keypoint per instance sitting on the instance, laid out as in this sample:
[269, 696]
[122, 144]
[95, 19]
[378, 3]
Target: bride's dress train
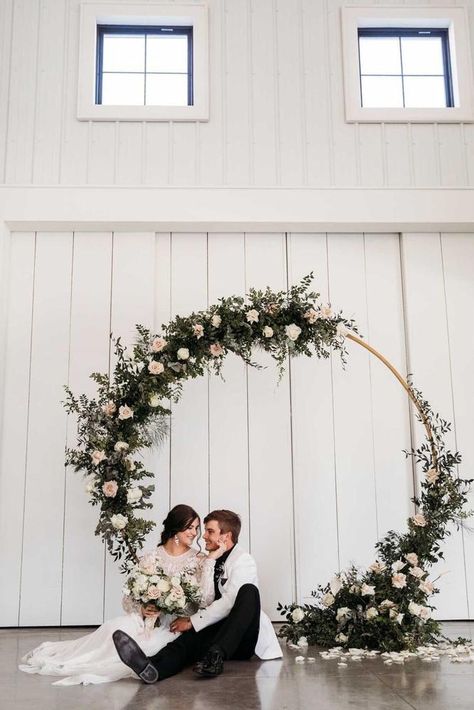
[93, 658]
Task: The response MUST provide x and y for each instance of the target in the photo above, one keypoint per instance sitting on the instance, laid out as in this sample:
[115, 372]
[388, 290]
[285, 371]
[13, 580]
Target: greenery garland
[384, 607]
[130, 411]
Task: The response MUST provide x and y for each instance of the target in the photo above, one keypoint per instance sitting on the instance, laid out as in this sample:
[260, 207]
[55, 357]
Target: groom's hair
[228, 522]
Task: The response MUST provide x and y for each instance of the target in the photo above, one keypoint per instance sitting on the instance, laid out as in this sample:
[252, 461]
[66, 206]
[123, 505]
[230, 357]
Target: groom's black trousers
[236, 636]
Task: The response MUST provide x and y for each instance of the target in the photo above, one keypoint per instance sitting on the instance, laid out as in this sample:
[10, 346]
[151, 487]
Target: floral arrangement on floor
[130, 412]
[389, 605]
[147, 583]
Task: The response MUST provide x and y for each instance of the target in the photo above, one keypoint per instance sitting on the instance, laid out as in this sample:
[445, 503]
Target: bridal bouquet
[147, 583]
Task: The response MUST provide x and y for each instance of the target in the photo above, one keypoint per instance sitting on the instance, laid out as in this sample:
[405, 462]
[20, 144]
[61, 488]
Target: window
[143, 62]
[405, 64]
[144, 66]
[405, 68]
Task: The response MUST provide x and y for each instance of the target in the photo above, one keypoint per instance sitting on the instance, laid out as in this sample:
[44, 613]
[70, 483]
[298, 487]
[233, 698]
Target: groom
[232, 627]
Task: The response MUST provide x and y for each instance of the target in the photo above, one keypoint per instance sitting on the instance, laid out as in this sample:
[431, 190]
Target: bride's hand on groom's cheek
[215, 554]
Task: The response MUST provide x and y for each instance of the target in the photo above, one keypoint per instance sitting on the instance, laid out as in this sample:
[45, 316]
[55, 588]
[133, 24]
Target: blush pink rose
[153, 592]
[110, 489]
[216, 349]
[158, 344]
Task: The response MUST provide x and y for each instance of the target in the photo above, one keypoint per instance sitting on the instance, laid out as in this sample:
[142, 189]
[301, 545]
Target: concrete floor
[253, 685]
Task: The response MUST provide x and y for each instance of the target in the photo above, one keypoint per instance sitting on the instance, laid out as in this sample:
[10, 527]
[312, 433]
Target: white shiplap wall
[277, 110]
[314, 465]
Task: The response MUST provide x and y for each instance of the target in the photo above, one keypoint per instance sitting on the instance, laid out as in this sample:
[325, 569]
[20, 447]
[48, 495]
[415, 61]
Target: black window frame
[142, 30]
[412, 32]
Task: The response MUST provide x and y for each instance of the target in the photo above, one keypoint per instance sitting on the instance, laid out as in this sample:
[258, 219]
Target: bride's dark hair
[178, 519]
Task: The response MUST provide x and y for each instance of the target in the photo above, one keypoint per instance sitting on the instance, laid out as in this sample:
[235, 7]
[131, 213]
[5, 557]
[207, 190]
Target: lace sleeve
[205, 572]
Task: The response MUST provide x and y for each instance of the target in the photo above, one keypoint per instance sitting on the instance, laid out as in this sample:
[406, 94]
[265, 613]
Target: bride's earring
[176, 540]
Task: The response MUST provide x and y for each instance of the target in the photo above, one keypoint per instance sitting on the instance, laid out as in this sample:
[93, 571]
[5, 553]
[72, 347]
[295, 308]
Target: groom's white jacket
[239, 569]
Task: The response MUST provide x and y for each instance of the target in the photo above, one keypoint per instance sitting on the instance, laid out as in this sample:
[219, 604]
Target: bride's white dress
[93, 658]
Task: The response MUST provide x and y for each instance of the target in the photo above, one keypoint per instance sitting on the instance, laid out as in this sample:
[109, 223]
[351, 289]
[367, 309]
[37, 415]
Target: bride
[93, 658]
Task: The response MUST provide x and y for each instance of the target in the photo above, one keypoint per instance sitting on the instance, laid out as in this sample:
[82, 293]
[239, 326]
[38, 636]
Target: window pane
[123, 89]
[123, 53]
[422, 55]
[167, 90]
[379, 55]
[382, 91]
[167, 53]
[424, 92]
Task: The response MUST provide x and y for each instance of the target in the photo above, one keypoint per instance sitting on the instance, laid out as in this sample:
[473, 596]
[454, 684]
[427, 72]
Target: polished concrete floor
[252, 685]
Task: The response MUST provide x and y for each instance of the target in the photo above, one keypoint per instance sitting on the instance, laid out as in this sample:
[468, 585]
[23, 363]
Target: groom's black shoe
[212, 664]
[132, 655]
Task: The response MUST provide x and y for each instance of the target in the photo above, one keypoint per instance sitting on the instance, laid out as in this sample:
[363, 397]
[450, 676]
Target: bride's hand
[215, 554]
[149, 610]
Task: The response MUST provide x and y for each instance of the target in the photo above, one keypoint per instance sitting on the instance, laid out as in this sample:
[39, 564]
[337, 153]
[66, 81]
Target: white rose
[183, 354]
[158, 344]
[119, 521]
[134, 494]
[371, 613]
[216, 320]
[125, 412]
[399, 580]
[97, 457]
[175, 581]
[252, 316]
[367, 590]
[91, 483]
[342, 638]
[311, 315]
[424, 613]
[267, 331]
[414, 608]
[341, 330]
[297, 615]
[426, 587]
[417, 572]
[141, 582]
[109, 408]
[343, 613]
[419, 520]
[181, 602]
[398, 565]
[335, 585]
[377, 567]
[163, 585]
[121, 446]
[155, 368]
[325, 312]
[198, 330]
[292, 331]
[154, 401]
[412, 558]
[387, 604]
[400, 618]
[328, 599]
[432, 475]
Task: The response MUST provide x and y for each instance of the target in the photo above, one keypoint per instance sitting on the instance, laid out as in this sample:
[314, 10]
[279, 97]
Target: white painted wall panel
[276, 110]
[300, 460]
[270, 456]
[42, 553]
[14, 432]
[83, 566]
[427, 334]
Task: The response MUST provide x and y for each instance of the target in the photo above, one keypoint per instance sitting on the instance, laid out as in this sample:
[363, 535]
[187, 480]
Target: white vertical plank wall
[83, 552]
[270, 445]
[430, 363]
[132, 302]
[42, 553]
[14, 419]
[314, 464]
[228, 423]
[277, 109]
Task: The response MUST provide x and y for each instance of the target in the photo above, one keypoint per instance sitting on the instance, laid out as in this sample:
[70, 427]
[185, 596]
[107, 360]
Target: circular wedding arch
[386, 606]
